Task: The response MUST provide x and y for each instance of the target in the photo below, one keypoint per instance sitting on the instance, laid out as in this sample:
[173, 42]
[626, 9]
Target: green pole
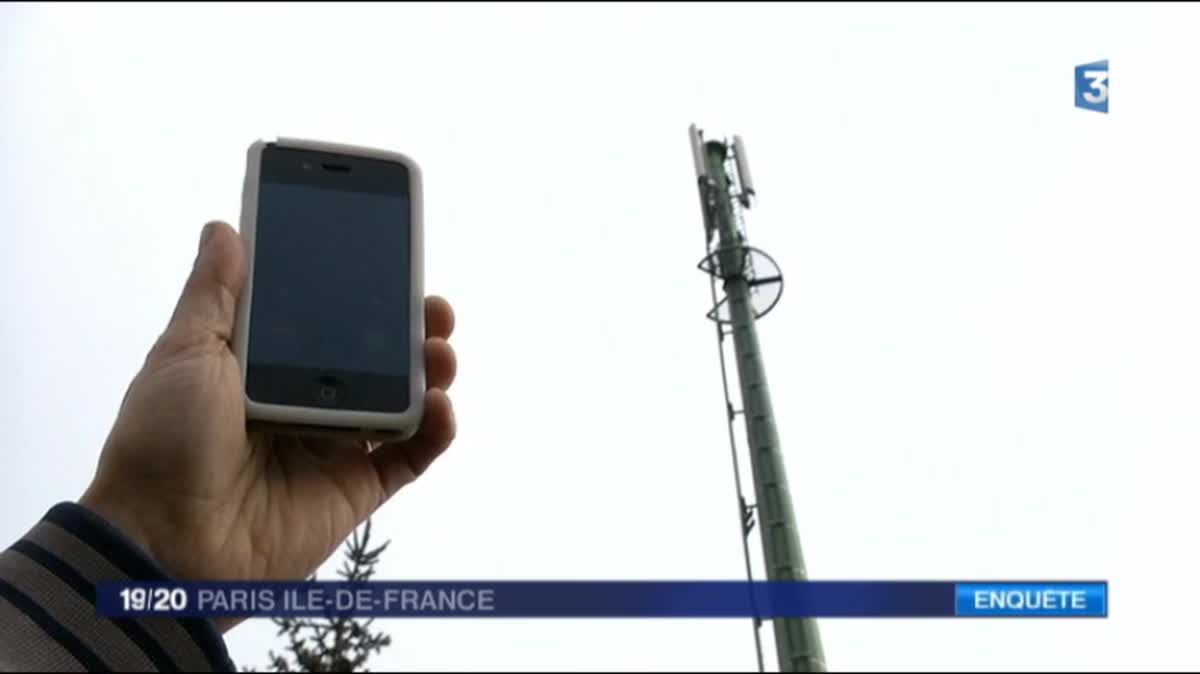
[797, 641]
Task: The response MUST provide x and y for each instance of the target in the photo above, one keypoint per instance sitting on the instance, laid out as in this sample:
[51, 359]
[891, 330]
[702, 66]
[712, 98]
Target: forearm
[48, 618]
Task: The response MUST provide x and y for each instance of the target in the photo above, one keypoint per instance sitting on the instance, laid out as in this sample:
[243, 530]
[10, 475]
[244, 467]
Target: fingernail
[205, 235]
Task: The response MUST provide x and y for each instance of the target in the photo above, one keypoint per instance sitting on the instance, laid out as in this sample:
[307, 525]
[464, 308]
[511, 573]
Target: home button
[329, 391]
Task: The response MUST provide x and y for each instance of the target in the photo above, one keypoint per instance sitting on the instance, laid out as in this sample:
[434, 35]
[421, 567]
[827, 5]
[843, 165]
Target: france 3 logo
[1091, 86]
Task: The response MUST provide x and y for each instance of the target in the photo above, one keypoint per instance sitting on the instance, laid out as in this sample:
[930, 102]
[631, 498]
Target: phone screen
[329, 310]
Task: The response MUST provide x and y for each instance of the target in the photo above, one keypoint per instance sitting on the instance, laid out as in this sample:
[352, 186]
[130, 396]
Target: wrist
[135, 532]
[120, 518]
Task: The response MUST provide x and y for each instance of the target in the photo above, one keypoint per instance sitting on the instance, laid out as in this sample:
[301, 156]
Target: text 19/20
[165, 599]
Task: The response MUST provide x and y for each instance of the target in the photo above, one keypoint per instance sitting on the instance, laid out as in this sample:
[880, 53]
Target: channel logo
[1091, 86]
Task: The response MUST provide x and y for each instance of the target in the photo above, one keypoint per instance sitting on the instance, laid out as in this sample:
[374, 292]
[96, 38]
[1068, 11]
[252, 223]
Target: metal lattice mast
[752, 284]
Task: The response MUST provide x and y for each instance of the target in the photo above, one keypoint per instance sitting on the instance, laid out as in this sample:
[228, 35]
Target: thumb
[208, 304]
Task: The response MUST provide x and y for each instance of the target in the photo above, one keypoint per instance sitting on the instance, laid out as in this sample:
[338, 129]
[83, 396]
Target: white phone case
[372, 425]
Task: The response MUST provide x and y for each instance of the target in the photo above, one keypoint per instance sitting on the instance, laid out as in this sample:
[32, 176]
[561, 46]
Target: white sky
[984, 364]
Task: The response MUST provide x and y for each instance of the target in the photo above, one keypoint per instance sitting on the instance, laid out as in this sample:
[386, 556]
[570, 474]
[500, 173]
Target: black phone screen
[329, 311]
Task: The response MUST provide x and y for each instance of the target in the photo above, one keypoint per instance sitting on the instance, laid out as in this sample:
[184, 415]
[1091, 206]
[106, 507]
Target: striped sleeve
[48, 618]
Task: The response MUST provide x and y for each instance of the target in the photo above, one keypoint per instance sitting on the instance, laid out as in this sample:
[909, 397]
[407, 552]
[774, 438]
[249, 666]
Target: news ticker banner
[610, 599]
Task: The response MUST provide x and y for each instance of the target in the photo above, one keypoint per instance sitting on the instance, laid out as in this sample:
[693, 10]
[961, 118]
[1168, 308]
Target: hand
[180, 475]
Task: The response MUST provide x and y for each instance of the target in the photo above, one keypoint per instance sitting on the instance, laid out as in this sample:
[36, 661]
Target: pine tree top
[335, 643]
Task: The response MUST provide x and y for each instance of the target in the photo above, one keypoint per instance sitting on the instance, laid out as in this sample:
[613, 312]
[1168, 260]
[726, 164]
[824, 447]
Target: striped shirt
[48, 618]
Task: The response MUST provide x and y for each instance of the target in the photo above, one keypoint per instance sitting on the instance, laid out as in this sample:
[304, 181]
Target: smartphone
[330, 328]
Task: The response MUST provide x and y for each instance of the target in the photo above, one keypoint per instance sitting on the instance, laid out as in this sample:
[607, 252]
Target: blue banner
[612, 599]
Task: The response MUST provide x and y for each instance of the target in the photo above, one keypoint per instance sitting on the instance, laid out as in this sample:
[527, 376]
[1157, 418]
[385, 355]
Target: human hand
[181, 476]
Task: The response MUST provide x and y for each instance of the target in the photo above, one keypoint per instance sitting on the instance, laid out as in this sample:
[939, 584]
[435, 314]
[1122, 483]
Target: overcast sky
[984, 363]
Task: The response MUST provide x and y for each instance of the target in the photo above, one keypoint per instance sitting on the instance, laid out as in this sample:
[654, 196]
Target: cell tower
[746, 285]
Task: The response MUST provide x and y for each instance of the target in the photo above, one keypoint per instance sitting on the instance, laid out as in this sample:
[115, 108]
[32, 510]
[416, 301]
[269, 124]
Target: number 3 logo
[1091, 86]
[1098, 82]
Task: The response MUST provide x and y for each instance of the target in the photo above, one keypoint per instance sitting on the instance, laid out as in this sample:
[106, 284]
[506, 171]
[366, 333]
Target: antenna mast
[746, 285]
